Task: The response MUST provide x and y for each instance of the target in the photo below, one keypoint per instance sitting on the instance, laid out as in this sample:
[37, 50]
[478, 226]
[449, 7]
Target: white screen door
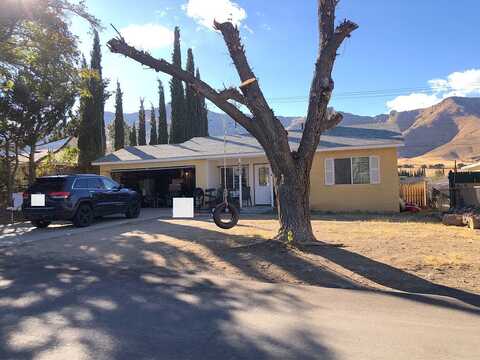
[263, 185]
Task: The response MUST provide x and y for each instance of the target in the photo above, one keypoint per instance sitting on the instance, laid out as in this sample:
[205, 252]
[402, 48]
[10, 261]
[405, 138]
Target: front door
[263, 190]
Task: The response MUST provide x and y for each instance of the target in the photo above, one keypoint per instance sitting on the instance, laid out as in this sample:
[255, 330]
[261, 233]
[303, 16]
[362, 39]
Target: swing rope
[225, 190]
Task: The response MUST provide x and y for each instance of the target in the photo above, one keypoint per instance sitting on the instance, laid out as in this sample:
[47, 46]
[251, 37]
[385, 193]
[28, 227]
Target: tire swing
[225, 207]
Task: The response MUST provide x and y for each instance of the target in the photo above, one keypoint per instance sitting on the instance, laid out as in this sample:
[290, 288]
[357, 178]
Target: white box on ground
[183, 207]
[37, 200]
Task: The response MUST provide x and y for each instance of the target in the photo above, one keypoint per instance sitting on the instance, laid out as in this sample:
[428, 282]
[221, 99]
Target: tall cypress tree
[86, 142]
[202, 112]
[162, 116]
[191, 119]
[177, 133]
[119, 141]
[99, 96]
[133, 136]
[153, 128]
[142, 132]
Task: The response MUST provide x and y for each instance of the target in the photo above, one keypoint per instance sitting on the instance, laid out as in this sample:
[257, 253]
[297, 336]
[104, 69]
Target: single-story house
[42, 153]
[355, 167]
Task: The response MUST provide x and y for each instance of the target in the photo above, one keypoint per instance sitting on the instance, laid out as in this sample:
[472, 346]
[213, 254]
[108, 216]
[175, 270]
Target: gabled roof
[43, 149]
[245, 145]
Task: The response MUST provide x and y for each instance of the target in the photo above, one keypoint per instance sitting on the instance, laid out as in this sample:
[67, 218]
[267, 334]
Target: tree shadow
[96, 298]
[77, 309]
[244, 258]
[393, 278]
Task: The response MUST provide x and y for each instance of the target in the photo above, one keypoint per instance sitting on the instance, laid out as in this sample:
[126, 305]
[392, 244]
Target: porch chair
[246, 196]
[198, 197]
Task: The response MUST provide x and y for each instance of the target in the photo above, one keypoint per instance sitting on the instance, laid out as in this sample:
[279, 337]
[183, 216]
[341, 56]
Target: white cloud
[205, 12]
[248, 28]
[147, 36]
[465, 83]
[266, 27]
[412, 102]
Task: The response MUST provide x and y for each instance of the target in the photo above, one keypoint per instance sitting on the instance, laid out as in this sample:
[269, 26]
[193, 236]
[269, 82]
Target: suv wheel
[84, 216]
[41, 224]
[133, 210]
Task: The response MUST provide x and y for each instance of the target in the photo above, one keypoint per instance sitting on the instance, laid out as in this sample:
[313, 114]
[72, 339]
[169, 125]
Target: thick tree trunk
[8, 172]
[31, 164]
[292, 192]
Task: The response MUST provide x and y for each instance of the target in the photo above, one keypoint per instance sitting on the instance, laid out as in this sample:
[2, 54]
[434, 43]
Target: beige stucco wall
[365, 197]
[382, 197]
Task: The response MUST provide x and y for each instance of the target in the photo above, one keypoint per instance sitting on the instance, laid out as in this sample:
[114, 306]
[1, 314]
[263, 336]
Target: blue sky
[406, 53]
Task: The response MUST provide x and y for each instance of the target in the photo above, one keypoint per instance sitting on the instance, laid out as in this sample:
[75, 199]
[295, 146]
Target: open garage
[158, 185]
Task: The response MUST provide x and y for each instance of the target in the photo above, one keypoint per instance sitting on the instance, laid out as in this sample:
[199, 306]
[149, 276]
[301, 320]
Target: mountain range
[447, 131]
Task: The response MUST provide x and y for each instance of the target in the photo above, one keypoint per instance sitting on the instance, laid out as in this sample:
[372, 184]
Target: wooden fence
[416, 193]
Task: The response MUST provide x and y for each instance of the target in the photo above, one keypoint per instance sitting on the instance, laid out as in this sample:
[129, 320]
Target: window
[81, 184]
[46, 185]
[110, 184]
[95, 183]
[355, 170]
[343, 171]
[263, 176]
[233, 180]
[361, 170]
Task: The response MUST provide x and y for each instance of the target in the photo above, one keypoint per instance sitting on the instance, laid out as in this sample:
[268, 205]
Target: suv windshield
[47, 185]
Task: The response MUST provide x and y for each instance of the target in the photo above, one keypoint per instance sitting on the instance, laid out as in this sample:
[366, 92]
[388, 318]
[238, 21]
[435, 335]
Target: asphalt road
[71, 307]
[66, 310]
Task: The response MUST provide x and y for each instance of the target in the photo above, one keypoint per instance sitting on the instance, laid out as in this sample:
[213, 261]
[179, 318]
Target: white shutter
[329, 172]
[374, 170]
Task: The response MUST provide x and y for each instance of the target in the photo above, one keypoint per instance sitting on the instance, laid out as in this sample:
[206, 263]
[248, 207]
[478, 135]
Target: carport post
[240, 182]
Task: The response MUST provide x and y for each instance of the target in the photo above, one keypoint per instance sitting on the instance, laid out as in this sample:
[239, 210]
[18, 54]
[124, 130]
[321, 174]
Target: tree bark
[31, 164]
[8, 171]
[290, 167]
[293, 206]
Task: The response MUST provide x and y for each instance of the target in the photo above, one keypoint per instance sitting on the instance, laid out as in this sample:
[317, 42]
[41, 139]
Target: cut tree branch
[318, 117]
[272, 134]
[232, 93]
[119, 46]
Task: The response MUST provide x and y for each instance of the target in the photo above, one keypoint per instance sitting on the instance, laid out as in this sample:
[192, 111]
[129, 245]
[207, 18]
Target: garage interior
[158, 186]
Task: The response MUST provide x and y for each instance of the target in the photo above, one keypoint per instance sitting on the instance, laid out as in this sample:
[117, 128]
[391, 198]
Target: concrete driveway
[24, 232]
[130, 291]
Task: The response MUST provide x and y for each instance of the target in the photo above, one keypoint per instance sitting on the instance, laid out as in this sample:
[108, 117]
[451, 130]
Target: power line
[362, 94]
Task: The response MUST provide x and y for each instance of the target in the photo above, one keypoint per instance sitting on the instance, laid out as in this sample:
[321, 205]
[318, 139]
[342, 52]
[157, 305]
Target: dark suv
[77, 198]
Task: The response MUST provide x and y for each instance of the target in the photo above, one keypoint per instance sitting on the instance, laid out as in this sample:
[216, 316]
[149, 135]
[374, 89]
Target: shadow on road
[52, 309]
[118, 294]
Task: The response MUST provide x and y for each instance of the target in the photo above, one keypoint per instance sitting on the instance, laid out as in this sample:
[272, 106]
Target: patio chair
[246, 196]
[198, 197]
[210, 198]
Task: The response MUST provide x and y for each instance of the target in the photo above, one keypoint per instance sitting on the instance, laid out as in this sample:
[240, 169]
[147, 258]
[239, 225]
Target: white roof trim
[470, 166]
[240, 155]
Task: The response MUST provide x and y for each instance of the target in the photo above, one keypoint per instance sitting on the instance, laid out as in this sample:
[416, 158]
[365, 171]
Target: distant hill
[449, 130]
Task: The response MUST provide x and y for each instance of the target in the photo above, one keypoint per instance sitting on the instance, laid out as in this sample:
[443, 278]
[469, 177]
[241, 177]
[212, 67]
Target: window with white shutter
[329, 172]
[374, 170]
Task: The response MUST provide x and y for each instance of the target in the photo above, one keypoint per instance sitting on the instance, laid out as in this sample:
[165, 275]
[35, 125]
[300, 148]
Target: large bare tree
[291, 169]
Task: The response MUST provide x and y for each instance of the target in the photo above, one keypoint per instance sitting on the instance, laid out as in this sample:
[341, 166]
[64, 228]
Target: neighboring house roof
[339, 138]
[42, 150]
[471, 167]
